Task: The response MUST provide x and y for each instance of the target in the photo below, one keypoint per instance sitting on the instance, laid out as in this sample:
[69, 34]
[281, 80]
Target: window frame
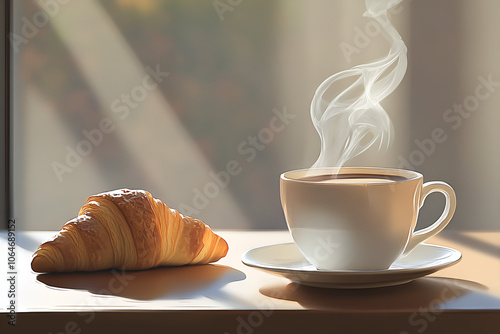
[5, 117]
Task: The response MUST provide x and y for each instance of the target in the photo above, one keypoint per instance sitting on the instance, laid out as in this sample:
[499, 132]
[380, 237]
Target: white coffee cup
[362, 220]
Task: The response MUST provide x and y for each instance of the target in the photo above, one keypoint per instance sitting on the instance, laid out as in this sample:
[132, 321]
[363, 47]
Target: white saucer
[287, 260]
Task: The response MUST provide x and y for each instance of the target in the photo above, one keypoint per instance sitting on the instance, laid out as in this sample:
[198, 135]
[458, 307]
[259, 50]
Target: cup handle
[449, 209]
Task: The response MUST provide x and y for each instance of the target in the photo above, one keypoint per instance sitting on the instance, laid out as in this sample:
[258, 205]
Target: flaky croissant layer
[130, 230]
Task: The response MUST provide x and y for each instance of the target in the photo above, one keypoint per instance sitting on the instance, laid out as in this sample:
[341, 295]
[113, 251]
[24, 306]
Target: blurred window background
[205, 103]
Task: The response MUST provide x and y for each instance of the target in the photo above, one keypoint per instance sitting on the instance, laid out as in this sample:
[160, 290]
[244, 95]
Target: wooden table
[229, 297]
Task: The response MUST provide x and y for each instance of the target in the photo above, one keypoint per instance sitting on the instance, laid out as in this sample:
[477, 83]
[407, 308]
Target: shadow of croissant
[157, 283]
[431, 292]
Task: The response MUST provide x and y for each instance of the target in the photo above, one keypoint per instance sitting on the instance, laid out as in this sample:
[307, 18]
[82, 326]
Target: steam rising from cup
[353, 120]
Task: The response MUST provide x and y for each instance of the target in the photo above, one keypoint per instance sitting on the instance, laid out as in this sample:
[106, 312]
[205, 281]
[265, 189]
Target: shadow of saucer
[429, 292]
[157, 283]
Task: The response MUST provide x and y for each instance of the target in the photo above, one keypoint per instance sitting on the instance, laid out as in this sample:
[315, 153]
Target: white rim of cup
[409, 175]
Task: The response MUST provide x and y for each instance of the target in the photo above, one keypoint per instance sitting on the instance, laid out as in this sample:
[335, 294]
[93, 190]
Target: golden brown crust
[128, 229]
[136, 208]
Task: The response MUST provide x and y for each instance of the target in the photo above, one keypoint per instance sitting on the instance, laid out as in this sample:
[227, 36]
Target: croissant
[129, 230]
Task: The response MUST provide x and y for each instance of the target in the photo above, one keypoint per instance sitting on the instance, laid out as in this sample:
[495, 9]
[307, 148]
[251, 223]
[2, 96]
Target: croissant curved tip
[40, 264]
[225, 247]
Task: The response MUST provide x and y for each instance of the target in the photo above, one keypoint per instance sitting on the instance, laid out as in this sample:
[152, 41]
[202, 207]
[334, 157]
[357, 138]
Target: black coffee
[353, 178]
